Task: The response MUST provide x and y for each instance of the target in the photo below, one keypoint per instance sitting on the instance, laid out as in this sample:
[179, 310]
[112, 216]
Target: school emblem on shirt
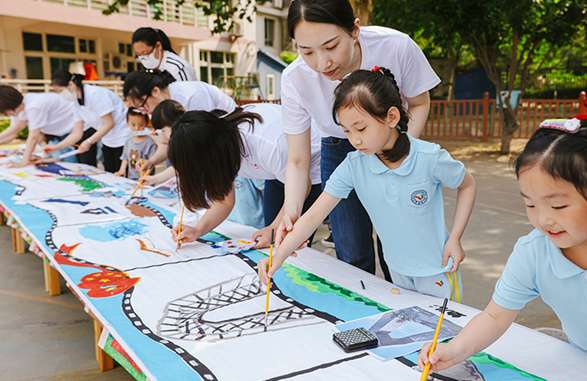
[419, 197]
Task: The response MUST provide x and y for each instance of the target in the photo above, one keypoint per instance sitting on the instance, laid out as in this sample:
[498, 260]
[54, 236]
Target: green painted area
[317, 284]
[85, 183]
[482, 358]
[123, 361]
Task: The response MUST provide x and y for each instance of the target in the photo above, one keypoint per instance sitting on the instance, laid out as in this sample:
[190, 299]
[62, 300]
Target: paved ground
[51, 338]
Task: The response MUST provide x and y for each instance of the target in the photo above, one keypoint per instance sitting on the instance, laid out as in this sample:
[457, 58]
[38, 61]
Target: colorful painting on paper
[187, 313]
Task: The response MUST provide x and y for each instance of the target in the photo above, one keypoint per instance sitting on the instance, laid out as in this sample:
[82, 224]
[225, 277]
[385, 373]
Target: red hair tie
[377, 69]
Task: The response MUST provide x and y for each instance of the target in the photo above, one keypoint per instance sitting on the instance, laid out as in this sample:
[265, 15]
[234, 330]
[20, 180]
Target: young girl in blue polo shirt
[551, 261]
[399, 181]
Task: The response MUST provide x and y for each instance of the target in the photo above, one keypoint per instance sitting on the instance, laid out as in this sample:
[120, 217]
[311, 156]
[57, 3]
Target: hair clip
[151, 71]
[569, 126]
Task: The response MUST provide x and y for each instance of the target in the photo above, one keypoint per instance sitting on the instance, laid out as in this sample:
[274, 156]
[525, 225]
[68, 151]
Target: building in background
[243, 62]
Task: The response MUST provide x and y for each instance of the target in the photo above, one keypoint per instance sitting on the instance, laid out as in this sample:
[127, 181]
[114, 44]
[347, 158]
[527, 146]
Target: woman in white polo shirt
[47, 115]
[332, 44]
[209, 149]
[154, 51]
[100, 116]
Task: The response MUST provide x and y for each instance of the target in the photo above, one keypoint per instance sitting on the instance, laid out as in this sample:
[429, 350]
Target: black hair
[375, 91]
[135, 112]
[150, 36]
[337, 12]
[561, 154]
[139, 84]
[206, 149]
[62, 77]
[166, 114]
[10, 98]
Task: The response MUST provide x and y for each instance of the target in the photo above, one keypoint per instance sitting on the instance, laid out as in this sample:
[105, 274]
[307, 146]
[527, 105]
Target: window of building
[32, 41]
[58, 63]
[58, 43]
[270, 86]
[34, 67]
[87, 46]
[269, 32]
[216, 67]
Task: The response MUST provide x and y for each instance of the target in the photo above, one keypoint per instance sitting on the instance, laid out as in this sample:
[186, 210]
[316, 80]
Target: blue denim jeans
[248, 207]
[53, 139]
[274, 195]
[351, 226]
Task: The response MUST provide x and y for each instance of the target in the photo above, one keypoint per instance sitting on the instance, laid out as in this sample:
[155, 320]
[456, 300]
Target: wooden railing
[480, 119]
[44, 85]
[186, 14]
[477, 119]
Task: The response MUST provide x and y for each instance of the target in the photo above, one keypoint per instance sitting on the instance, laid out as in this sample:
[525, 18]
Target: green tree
[507, 37]
[223, 11]
[437, 36]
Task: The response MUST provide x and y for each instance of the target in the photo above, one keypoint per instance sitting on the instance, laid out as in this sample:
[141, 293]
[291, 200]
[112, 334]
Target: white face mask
[149, 61]
[68, 95]
[145, 132]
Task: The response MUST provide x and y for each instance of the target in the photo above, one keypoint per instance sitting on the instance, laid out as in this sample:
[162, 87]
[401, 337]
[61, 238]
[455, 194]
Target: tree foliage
[223, 12]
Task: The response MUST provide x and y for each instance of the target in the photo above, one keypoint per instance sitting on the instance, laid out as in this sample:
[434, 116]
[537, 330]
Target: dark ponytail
[139, 84]
[62, 77]
[336, 12]
[561, 154]
[206, 149]
[375, 91]
[150, 37]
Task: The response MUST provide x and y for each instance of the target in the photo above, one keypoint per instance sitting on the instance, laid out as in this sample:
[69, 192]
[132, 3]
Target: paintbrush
[180, 227]
[141, 178]
[269, 281]
[426, 369]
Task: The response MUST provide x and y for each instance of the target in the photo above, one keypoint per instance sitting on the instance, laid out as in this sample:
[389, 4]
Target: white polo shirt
[266, 146]
[306, 94]
[200, 96]
[98, 102]
[48, 112]
[178, 67]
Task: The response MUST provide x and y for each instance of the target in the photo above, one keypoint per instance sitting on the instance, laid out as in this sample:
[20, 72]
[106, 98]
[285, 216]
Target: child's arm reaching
[302, 229]
[213, 217]
[481, 332]
[465, 202]
[122, 169]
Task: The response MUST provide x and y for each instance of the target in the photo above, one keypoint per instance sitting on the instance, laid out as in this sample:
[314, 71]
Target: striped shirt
[178, 67]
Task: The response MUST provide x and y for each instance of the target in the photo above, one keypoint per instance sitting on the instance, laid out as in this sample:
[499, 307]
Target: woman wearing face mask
[153, 50]
[47, 115]
[100, 116]
[332, 44]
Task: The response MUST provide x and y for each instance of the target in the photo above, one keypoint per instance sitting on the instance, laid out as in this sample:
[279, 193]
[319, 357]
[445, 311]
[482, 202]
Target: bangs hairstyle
[205, 149]
[374, 92]
[135, 112]
[139, 84]
[560, 154]
[336, 12]
[166, 114]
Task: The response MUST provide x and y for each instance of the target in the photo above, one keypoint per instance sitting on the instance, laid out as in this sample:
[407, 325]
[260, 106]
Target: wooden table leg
[52, 281]
[105, 362]
[20, 243]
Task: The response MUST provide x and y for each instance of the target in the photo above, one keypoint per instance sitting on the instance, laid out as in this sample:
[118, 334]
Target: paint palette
[233, 246]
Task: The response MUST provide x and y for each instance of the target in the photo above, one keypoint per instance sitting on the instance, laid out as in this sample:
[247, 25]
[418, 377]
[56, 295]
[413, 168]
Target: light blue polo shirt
[538, 267]
[405, 204]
